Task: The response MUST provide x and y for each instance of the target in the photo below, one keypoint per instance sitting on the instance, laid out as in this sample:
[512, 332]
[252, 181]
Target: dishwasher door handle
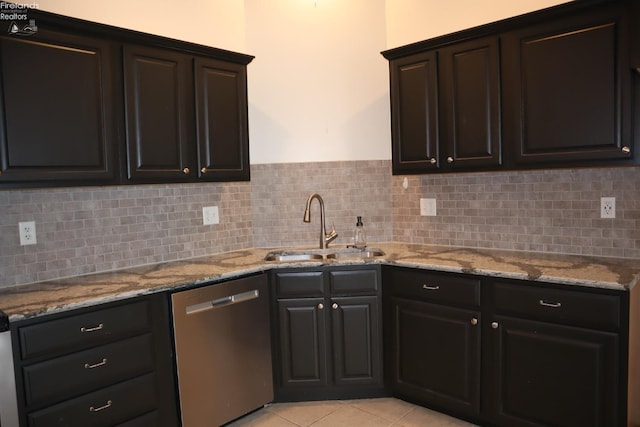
[223, 302]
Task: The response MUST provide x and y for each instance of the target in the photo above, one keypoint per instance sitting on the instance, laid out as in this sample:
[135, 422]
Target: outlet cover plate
[27, 230]
[210, 215]
[428, 207]
[607, 207]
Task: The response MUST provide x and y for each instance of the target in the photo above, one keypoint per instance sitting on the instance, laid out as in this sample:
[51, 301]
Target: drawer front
[64, 377]
[309, 283]
[107, 407]
[436, 287]
[83, 330]
[571, 307]
[354, 281]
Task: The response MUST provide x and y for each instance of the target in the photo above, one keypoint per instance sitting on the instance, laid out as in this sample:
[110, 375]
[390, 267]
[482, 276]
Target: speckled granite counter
[32, 300]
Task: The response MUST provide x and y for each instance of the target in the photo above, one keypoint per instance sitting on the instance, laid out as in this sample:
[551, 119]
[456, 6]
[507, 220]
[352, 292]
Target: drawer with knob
[87, 370]
[571, 307]
[83, 330]
[437, 287]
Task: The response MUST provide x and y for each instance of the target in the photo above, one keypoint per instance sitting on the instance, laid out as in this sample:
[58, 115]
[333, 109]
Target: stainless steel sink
[356, 253]
[322, 254]
[292, 257]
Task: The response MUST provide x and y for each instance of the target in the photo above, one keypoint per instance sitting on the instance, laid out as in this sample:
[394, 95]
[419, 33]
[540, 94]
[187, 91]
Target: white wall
[318, 88]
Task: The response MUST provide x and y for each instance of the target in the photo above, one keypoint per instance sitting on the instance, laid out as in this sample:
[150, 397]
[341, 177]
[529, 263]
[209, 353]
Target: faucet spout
[325, 238]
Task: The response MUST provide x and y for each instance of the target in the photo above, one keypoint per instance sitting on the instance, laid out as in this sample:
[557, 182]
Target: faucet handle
[331, 236]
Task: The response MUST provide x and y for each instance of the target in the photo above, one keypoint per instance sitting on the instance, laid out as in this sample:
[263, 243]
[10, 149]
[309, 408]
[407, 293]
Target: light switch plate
[428, 207]
[210, 215]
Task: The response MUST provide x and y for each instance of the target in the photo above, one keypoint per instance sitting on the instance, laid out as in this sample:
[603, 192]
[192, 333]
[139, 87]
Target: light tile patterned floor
[383, 412]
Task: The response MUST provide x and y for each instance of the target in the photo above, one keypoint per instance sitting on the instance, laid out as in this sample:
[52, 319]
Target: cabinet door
[221, 113]
[159, 112]
[556, 375]
[356, 340]
[414, 113]
[302, 336]
[567, 89]
[435, 355]
[56, 108]
[470, 103]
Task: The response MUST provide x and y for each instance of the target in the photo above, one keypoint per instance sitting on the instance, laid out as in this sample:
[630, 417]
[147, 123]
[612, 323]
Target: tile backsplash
[94, 229]
[544, 211]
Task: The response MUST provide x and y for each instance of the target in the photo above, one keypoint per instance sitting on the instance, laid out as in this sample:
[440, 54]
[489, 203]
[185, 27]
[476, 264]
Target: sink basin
[292, 257]
[356, 253]
[322, 254]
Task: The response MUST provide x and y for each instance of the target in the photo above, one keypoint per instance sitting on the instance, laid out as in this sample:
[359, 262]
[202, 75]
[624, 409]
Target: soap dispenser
[359, 236]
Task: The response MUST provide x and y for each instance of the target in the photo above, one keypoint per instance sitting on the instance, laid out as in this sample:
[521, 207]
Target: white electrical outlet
[607, 207]
[428, 207]
[210, 215]
[27, 230]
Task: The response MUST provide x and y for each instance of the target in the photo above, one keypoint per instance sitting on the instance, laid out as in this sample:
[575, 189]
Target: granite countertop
[27, 301]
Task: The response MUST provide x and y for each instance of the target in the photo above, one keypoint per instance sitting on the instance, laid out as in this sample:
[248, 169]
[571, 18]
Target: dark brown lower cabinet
[523, 354]
[107, 365]
[554, 375]
[436, 355]
[327, 333]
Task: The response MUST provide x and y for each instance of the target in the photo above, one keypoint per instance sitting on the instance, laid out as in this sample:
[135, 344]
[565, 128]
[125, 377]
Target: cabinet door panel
[414, 113]
[221, 104]
[548, 374]
[159, 114]
[356, 336]
[567, 89]
[57, 121]
[302, 342]
[436, 355]
[470, 103]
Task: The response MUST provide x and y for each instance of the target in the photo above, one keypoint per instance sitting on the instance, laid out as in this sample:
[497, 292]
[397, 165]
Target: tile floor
[383, 412]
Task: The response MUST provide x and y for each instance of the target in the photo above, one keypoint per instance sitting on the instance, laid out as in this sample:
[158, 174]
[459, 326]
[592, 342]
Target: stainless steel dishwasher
[223, 350]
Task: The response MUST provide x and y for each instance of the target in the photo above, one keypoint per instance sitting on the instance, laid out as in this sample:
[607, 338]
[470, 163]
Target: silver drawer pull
[101, 408]
[95, 328]
[550, 304]
[95, 365]
[430, 288]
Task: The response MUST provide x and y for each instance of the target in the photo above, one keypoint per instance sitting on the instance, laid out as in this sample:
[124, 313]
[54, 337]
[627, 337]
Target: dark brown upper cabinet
[57, 109]
[552, 88]
[186, 117]
[445, 108]
[414, 113]
[567, 89]
[83, 103]
[470, 103]
[159, 114]
[222, 124]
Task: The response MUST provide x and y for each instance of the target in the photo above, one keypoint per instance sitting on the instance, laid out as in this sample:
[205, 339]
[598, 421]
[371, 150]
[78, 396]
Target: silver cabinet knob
[494, 325]
[334, 306]
[474, 321]
[433, 160]
[626, 150]
[186, 171]
[449, 159]
[320, 306]
[203, 170]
